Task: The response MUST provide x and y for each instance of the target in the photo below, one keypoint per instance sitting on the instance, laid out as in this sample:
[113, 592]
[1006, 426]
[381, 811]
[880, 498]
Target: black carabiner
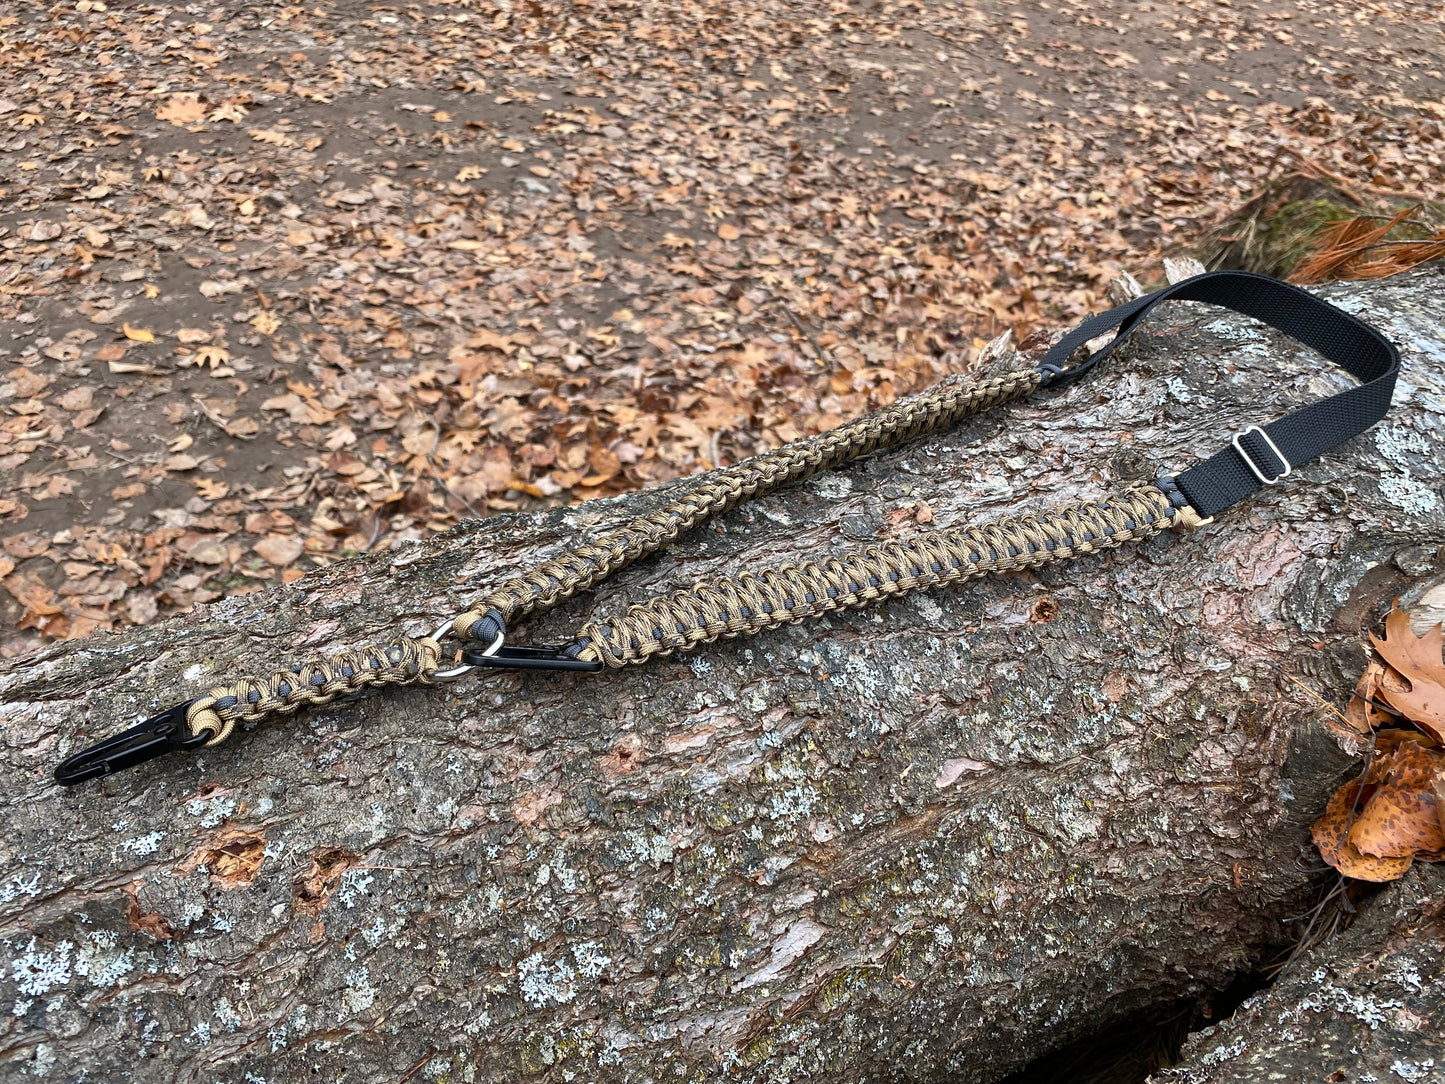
[530, 658]
[157, 736]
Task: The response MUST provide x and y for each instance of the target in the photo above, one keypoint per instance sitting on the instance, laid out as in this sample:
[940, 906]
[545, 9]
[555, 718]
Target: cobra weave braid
[738, 606]
[319, 681]
[937, 408]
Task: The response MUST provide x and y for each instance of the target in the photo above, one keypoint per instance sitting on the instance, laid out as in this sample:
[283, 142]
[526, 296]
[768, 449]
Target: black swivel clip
[157, 736]
[529, 658]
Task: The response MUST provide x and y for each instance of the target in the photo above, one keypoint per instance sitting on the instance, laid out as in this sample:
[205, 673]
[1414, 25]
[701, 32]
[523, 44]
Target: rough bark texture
[1368, 1005]
[926, 843]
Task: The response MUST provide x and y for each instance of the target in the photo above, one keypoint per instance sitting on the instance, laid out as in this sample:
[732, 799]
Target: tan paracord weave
[751, 603]
[744, 604]
[320, 681]
[937, 408]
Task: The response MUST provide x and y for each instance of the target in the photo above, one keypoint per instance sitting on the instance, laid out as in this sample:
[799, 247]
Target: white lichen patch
[1396, 442]
[212, 811]
[101, 960]
[19, 885]
[591, 959]
[1328, 997]
[43, 1060]
[226, 1014]
[1403, 491]
[352, 890]
[37, 972]
[543, 984]
[1415, 1071]
[143, 846]
[359, 994]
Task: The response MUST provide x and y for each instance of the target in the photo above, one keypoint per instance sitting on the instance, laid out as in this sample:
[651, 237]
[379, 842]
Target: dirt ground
[283, 283]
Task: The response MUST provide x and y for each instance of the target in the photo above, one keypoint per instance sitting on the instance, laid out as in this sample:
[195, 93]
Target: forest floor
[284, 283]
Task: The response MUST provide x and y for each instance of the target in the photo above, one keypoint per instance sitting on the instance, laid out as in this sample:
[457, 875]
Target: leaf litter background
[284, 283]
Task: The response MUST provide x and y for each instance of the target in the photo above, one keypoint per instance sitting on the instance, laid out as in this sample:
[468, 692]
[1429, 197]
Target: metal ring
[464, 668]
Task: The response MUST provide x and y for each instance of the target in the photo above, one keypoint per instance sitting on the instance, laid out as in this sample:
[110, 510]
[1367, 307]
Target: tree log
[926, 842]
[1367, 1005]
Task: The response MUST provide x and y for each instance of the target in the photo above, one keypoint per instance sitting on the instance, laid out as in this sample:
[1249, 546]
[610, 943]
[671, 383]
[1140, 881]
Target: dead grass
[1309, 226]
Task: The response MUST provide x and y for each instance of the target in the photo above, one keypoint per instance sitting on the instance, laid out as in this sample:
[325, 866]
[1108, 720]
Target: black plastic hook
[157, 736]
[529, 658]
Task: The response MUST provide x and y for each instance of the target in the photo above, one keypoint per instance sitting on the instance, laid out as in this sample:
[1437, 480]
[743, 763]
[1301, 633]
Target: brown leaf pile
[287, 283]
[1375, 827]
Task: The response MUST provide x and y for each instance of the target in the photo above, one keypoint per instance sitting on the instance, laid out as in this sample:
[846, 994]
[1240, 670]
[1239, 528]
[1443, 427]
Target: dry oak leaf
[1401, 819]
[267, 323]
[182, 109]
[1418, 659]
[1331, 836]
[1363, 712]
[1375, 829]
[231, 857]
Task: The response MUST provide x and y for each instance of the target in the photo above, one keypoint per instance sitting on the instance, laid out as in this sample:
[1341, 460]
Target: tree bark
[923, 843]
[1367, 1005]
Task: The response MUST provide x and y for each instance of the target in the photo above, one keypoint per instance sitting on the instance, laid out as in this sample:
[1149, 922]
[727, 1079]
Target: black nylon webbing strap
[1249, 461]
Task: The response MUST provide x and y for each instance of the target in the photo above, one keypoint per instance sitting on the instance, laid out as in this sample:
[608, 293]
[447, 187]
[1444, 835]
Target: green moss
[846, 986]
[542, 1050]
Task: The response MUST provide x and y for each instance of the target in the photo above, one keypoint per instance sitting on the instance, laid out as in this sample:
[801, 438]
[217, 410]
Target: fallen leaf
[214, 356]
[271, 136]
[1401, 819]
[181, 109]
[29, 544]
[210, 550]
[1331, 836]
[1364, 712]
[78, 398]
[267, 323]
[279, 552]
[728, 232]
[138, 334]
[1418, 659]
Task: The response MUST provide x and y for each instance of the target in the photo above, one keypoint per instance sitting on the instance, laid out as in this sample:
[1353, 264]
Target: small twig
[823, 359]
[218, 421]
[375, 532]
[418, 1067]
[1300, 684]
[430, 462]
[1306, 941]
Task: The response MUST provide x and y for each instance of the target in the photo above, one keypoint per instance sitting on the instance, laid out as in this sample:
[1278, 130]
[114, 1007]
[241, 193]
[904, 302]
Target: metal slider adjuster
[1249, 460]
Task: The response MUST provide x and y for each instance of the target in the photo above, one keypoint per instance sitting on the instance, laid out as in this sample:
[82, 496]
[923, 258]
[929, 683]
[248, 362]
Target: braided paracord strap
[319, 681]
[750, 603]
[937, 408]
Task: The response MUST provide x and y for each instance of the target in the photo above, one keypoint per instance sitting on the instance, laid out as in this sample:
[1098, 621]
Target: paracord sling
[753, 602]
